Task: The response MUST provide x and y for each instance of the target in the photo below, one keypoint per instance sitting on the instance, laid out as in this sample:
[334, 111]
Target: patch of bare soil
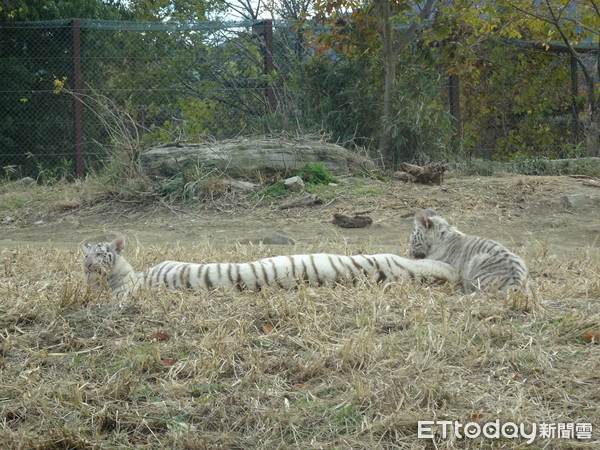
[560, 213]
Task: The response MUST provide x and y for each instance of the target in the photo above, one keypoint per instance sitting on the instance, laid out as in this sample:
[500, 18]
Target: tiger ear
[118, 245]
[422, 220]
[85, 247]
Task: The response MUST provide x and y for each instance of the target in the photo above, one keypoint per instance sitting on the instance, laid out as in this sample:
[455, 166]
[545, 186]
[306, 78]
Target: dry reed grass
[331, 367]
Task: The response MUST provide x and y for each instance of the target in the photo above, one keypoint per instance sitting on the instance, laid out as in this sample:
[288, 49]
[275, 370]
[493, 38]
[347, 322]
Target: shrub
[276, 190]
[316, 173]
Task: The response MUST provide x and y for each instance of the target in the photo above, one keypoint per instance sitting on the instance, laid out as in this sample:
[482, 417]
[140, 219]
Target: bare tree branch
[414, 26]
[593, 3]
[244, 8]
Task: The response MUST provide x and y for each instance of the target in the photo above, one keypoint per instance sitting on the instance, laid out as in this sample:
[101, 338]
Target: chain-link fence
[523, 98]
[71, 91]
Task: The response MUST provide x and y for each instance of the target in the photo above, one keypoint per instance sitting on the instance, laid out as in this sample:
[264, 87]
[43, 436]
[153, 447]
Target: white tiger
[480, 261]
[104, 266]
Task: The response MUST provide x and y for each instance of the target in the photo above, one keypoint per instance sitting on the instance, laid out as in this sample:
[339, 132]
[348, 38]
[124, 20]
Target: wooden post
[264, 29]
[574, 106]
[77, 102]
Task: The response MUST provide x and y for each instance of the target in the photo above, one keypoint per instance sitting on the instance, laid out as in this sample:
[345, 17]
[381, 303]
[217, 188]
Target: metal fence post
[574, 94]
[265, 30]
[77, 102]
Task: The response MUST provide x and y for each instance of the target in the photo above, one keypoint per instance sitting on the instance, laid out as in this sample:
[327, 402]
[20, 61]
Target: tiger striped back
[286, 271]
[480, 261]
[105, 266]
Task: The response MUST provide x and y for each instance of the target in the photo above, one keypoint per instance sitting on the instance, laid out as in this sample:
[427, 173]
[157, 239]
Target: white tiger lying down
[481, 261]
[104, 266]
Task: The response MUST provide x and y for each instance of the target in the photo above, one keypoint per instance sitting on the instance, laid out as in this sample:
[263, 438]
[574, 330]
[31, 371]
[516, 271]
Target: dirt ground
[560, 213]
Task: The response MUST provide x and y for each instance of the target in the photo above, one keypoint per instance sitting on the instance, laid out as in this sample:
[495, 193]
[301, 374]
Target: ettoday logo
[429, 429]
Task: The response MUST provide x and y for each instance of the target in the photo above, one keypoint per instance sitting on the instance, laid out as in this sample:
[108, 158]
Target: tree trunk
[592, 122]
[592, 134]
[392, 46]
[389, 65]
[385, 141]
[592, 130]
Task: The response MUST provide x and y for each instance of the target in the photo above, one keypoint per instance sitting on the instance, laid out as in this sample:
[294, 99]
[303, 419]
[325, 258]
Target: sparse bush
[172, 186]
[476, 167]
[196, 185]
[316, 173]
[525, 165]
[275, 191]
[10, 172]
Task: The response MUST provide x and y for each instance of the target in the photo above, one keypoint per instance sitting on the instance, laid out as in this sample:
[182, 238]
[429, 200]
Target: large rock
[295, 184]
[577, 201]
[23, 183]
[247, 156]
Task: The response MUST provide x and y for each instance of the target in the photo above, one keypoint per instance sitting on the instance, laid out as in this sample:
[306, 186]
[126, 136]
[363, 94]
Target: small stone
[576, 201]
[294, 184]
[240, 185]
[558, 223]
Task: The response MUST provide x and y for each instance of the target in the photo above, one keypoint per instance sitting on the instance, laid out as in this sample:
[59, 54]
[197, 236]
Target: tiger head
[100, 259]
[430, 231]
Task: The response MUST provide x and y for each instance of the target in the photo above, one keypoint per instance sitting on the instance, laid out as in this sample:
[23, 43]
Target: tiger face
[99, 259]
[429, 231]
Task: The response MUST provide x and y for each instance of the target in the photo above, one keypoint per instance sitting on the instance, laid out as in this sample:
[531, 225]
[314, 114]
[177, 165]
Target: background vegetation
[370, 74]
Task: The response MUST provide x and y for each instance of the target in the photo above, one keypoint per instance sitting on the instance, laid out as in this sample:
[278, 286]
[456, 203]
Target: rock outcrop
[243, 157]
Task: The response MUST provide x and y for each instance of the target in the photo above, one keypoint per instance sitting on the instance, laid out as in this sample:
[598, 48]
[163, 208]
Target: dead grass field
[330, 367]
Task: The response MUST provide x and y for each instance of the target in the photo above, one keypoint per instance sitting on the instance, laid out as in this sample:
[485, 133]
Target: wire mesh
[148, 83]
[141, 83]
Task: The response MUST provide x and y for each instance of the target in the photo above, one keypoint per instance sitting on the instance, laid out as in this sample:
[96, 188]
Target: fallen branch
[358, 221]
[592, 183]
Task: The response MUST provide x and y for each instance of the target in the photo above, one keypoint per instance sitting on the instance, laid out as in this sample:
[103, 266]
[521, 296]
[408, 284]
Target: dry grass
[343, 367]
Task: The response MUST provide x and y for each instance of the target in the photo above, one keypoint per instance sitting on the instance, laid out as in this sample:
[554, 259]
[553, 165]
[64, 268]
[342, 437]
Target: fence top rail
[119, 25]
[116, 25]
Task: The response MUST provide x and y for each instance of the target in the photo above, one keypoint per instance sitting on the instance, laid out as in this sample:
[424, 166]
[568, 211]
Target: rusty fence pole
[574, 95]
[77, 102]
[264, 29]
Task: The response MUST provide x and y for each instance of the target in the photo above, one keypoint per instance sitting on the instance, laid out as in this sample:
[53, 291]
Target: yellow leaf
[515, 34]
[59, 85]
[23, 100]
